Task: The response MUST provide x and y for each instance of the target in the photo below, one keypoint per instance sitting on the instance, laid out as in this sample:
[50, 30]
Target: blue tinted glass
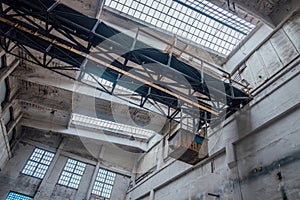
[16, 196]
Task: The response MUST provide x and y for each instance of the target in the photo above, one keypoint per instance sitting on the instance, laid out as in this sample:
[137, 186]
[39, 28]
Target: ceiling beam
[6, 71]
[85, 133]
[81, 99]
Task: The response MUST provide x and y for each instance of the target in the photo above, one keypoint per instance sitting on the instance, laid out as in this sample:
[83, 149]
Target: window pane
[16, 196]
[104, 183]
[38, 163]
[72, 173]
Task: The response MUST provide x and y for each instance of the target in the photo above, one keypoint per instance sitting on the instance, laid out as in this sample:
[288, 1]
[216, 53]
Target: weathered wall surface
[273, 55]
[11, 178]
[269, 154]
[255, 153]
[147, 162]
[4, 153]
[7, 64]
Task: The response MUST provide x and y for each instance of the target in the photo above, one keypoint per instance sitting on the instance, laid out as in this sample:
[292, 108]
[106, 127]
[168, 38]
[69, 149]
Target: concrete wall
[282, 47]
[147, 162]
[246, 47]
[4, 152]
[4, 143]
[9, 113]
[11, 178]
[254, 154]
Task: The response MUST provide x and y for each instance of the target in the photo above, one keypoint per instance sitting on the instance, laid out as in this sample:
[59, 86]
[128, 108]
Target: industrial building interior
[149, 99]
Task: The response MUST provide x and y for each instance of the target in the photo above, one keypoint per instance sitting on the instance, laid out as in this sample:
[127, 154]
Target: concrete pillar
[5, 152]
[230, 155]
[134, 172]
[88, 195]
[8, 70]
[49, 171]
[233, 170]
[160, 155]
[152, 193]
[237, 193]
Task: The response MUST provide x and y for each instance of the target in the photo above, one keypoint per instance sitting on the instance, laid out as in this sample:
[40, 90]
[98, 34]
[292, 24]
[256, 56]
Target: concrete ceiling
[41, 86]
[47, 100]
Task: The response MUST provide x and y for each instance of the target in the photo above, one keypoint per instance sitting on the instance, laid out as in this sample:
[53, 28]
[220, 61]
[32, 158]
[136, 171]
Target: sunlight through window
[197, 20]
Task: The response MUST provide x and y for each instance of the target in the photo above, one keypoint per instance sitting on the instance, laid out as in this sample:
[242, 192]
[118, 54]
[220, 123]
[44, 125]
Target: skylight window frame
[183, 30]
[38, 163]
[216, 11]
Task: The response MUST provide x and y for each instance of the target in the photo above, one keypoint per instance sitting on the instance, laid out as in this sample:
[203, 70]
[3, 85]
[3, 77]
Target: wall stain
[268, 169]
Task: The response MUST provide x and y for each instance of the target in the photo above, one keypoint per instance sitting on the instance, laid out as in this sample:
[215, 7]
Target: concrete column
[230, 155]
[8, 70]
[134, 172]
[233, 172]
[5, 150]
[88, 195]
[5, 153]
[237, 193]
[49, 171]
[160, 155]
[152, 193]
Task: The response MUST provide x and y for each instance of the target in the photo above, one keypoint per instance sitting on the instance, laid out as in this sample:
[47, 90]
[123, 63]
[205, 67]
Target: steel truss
[86, 45]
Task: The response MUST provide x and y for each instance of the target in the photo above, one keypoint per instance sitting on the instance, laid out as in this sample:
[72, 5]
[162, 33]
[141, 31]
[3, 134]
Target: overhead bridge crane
[19, 28]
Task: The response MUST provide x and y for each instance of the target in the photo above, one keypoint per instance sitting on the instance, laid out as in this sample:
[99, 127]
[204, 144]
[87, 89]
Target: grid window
[16, 196]
[38, 163]
[104, 183]
[218, 29]
[72, 173]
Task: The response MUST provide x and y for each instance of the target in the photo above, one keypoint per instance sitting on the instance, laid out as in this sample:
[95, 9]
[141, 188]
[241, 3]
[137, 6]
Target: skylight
[111, 126]
[197, 20]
